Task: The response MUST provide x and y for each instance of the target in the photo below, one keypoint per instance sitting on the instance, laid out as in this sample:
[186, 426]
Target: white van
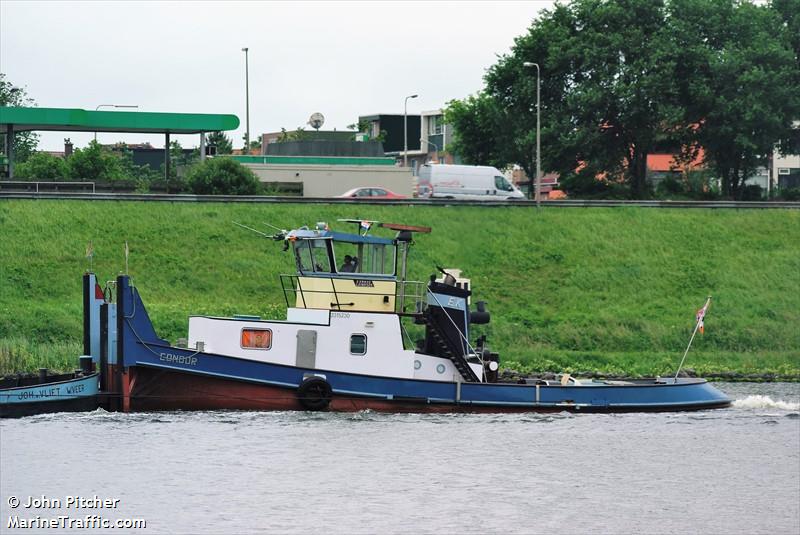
[467, 182]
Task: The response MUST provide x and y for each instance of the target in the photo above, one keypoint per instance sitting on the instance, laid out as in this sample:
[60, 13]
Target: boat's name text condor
[178, 359]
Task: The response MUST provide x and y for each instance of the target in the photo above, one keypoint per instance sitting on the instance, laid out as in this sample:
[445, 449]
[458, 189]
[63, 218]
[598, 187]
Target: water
[735, 470]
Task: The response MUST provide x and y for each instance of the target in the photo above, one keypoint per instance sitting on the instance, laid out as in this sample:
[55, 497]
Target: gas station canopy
[78, 120]
[14, 119]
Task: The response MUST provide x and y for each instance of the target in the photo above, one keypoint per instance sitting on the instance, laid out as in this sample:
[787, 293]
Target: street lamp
[247, 99]
[113, 106]
[538, 146]
[405, 129]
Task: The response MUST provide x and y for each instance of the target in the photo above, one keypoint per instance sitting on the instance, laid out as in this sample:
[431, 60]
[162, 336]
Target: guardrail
[50, 185]
[564, 203]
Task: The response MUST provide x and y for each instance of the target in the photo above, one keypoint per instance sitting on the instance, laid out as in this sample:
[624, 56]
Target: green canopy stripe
[74, 119]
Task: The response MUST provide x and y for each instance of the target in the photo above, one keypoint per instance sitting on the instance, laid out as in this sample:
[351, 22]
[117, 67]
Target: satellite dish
[316, 120]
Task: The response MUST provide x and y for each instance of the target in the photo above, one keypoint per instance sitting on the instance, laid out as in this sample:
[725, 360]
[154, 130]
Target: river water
[734, 470]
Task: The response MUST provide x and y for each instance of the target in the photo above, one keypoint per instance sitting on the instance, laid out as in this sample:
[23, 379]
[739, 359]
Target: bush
[752, 192]
[222, 176]
[96, 163]
[42, 166]
[789, 194]
[670, 186]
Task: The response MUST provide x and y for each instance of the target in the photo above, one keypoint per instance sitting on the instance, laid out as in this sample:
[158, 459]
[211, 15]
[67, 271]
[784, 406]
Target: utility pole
[405, 129]
[538, 129]
[247, 99]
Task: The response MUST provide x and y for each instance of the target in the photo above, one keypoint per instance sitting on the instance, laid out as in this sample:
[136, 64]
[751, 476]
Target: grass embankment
[610, 290]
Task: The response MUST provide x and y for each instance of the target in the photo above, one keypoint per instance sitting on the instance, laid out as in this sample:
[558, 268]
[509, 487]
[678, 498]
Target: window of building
[435, 125]
[358, 344]
[783, 171]
[256, 339]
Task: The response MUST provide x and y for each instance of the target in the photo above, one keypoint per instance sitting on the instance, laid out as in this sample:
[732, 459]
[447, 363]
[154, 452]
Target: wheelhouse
[323, 253]
[346, 271]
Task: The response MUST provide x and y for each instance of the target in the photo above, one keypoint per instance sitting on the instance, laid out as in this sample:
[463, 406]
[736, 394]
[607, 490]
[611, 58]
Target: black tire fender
[314, 394]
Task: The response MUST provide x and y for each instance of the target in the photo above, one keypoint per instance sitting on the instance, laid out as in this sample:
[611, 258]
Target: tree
[254, 144]
[222, 176]
[740, 84]
[789, 12]
[474, 117]
[622, 78]
[221, 141]
[25, 143]
[605, 76]
[297, 135]
[42, 166]
[96, 164]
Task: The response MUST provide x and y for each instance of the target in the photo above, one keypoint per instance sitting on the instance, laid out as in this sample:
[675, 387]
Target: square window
[358, 344]
[256, 338]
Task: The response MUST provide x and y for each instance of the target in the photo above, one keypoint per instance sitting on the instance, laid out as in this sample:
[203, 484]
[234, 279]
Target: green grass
[612, 290]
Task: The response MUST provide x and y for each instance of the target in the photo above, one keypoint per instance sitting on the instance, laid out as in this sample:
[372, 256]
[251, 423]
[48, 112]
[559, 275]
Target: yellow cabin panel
[359, 294]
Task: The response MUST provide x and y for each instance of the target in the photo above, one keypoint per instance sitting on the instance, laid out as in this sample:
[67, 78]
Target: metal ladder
[451, 351]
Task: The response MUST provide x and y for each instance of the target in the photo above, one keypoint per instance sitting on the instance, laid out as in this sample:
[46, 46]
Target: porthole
[417, 365]
[440, 368]
[358, 344]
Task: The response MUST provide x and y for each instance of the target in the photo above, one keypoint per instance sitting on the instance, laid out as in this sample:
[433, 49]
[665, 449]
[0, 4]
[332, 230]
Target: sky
[342, 59]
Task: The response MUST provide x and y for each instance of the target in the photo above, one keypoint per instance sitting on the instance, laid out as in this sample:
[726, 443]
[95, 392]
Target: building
[548, 183]
[271, 138]
[328, 176]
[786, 167]
[390, 130]
[436, 134]
[428, 137]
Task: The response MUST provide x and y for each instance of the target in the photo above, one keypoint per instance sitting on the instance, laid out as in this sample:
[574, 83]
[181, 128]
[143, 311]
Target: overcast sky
[343, 59]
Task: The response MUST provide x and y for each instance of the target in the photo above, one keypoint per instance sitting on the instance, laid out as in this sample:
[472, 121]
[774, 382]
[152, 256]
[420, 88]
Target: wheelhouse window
[358, 344]
[256, 339]
[312, 255]
[367, 258]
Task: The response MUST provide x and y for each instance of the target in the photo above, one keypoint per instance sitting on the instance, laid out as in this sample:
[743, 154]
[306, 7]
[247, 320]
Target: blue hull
[71, 395]
[381, 392]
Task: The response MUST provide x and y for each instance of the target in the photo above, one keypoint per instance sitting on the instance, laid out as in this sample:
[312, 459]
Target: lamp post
[538, 146]
[247, 99]
[113, 106]
[405, 129]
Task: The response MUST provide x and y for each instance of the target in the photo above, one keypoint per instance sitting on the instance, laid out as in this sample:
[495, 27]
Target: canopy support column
[202, 146]
[166, 156]
[10, 149]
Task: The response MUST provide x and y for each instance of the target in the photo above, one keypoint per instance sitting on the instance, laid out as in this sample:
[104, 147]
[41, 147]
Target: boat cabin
[345, 272]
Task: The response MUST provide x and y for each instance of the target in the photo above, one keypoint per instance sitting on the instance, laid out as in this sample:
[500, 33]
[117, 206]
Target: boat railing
[409, 296]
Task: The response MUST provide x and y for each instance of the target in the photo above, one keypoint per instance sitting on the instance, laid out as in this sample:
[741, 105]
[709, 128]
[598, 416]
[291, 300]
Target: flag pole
[696, 326]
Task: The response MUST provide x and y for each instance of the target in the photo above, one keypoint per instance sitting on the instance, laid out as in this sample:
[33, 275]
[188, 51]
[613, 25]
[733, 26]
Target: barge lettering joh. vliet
[343, 345]
[68, 392]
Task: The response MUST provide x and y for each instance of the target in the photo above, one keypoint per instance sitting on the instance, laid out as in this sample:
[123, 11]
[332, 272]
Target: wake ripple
[765, 402]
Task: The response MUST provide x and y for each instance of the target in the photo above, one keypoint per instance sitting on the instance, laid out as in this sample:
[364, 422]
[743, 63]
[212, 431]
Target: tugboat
[341, 347]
